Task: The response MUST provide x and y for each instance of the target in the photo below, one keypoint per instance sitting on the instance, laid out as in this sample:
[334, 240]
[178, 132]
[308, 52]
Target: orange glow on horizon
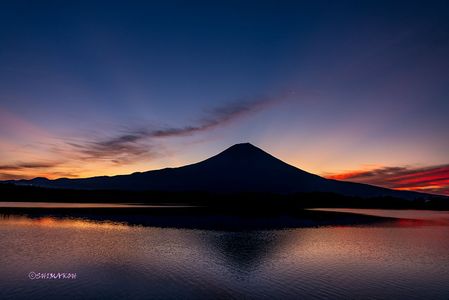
[346, 175]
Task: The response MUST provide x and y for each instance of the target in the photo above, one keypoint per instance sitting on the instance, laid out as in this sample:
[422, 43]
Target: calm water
[79, 205]
[404, 259]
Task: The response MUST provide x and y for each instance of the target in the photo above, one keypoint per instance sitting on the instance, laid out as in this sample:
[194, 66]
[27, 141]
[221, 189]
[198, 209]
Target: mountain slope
[240, 168]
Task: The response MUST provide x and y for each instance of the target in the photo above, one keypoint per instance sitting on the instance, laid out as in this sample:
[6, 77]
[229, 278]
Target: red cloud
[434, 179]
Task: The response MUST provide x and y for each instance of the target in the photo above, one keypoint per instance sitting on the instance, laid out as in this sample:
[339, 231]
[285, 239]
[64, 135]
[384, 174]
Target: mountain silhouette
[240, 168]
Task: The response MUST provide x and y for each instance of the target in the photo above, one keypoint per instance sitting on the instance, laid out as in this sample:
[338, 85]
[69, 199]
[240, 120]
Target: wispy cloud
[28, 165]
[432, 179]
[135, 143]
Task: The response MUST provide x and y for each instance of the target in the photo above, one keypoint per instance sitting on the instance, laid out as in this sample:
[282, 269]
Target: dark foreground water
[407, 258]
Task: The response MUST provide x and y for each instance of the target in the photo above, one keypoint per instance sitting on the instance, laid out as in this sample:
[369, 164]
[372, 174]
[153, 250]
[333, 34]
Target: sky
[351, 90]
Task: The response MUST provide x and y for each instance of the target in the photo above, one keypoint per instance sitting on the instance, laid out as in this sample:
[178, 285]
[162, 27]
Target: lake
[402, 258]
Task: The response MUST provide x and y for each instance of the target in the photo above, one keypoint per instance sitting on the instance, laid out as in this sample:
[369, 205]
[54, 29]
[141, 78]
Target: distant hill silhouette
[238, 169]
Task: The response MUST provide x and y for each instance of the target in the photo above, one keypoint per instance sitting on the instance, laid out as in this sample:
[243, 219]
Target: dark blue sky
[329, 86]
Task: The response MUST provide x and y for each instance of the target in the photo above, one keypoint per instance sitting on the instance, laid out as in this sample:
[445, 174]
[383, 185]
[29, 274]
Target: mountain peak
[243, 146]
[243, 150]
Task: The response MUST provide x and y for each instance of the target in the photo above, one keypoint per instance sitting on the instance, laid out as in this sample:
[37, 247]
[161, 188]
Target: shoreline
[201, 217]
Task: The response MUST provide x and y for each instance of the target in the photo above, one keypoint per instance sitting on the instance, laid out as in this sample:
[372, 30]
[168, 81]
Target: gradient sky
[353, 90]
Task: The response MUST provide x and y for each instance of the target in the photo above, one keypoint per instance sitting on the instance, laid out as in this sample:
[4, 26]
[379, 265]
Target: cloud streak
[134, 144]
[432, 179]
[27, 165]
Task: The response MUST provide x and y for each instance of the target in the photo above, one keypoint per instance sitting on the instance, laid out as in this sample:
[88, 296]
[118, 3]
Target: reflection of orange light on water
[412, 222]
[66, 223]
[421, 222]
[45, 221]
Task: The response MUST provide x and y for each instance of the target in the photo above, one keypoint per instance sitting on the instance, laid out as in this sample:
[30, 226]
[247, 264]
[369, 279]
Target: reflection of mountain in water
[244, 250]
